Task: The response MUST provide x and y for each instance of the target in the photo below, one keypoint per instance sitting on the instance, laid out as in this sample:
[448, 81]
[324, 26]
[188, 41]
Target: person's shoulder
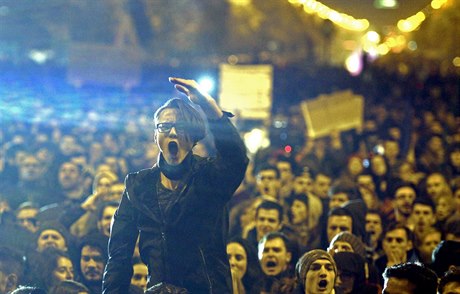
[141, 175]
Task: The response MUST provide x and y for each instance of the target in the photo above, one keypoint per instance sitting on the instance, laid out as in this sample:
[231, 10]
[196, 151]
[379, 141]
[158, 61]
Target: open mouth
[270, 264]
[322, 284]
[173, 148]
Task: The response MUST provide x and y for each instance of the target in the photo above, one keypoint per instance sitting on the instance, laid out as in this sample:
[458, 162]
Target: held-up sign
[338, 111]
[246, 90]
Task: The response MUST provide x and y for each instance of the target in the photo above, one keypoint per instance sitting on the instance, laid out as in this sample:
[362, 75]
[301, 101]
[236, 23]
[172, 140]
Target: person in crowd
[11, 269]
[410, 278]
[298, 217]
[404, 195]
[436, 185]
[374, 231]
[445, 256]
[303, 184]
[423, 216]
[450, 282]
[53, 234]
[340, 194]
[321, 185]
[339, 220]
[286, 168]
[316, 272]
[26, 215]
[140, 274]
[346, 242]
[92, 260]
[244, 265]
[69, 287]
[398, 244]
[445, 208]
[276, 254]
[351, 276]
[268, 182]
[426, 242]
[269, 218]
[178, 204]
[52, 266]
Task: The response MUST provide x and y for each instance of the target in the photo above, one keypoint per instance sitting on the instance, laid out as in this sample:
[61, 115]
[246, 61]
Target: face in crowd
[238, 259]
[64, 269]
[320, 277]
[403, 200]
[267, 183]
[171, 137]
[267, 220]
[91, 263]
[140, 275]
[396, 243]
[337, 224]
[51, 238]
[274, 256]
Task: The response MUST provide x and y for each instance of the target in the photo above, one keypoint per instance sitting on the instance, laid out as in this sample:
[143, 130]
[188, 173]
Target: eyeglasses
[166, 127]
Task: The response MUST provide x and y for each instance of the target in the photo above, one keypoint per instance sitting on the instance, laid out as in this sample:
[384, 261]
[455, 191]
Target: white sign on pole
[246, 90]
[338, 111]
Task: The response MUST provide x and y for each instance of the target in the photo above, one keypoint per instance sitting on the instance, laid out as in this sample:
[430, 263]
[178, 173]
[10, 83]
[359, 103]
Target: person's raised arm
[191, 89]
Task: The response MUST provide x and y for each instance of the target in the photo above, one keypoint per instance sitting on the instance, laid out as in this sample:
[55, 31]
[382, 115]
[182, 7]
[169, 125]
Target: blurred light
[341, 19]
[366, 163]
[386, 4]
[373, 37]
[354, 64]
[240, 2]
[383, 49]
[256, 139]
[288, 149]
[206, 84]
[436, 4]
[39, 56]
[232, 59]
[411, 23]
[456, 61]
[412, 45]
[379, 149]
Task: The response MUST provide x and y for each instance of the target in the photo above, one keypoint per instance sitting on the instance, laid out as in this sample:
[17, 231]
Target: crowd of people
[360, 211]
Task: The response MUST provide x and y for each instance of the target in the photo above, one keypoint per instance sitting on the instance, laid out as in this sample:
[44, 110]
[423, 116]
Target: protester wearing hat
[351, 275]
[345, 241]
[316, 272]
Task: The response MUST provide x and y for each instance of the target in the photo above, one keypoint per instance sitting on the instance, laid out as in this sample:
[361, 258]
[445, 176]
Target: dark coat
[185, 246]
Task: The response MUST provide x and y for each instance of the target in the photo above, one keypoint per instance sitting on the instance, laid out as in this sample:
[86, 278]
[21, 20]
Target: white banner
[338, 111]
[246, 90]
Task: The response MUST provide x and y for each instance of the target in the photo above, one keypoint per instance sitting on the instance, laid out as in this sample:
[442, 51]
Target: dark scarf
[176, 172]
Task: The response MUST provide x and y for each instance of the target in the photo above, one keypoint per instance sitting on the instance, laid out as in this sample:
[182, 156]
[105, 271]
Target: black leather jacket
[185, 245]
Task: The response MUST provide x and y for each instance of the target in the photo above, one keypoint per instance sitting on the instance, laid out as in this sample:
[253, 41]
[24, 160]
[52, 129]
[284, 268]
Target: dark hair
[423, 278]
[450, 276]
[400, 185]
[196, 125]
[300, 197]
[424, 201]
[47, 264]
[253, 269]
[398, 226]
[11, 262]
[103, 205]
[68, 287]
[271, 205]
[446, 254]
[339, 211]
[342, 188]
[266, 166]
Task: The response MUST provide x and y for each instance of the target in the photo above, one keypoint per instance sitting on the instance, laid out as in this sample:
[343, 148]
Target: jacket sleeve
[230, 164]
[123, 236]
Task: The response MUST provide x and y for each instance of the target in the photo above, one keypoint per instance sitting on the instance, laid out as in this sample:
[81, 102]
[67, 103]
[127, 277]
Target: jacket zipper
[205, 268]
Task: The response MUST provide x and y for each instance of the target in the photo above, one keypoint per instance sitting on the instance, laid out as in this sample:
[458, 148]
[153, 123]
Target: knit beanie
[355, 242]
[304, 263]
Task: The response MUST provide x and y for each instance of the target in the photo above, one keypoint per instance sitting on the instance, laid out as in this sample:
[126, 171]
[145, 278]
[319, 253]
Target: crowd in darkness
[371, 202]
